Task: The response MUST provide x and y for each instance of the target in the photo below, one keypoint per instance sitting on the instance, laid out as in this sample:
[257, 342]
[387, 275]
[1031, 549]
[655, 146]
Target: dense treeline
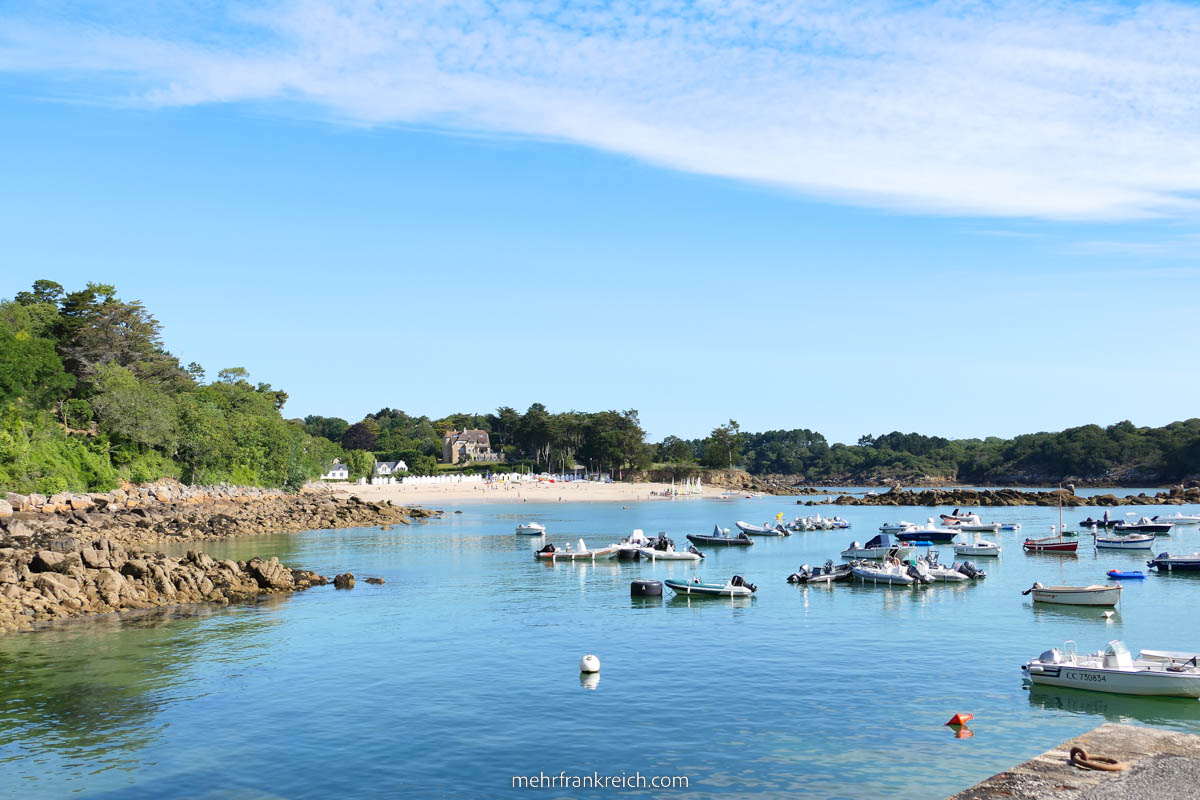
[600, 441]
[90, 397]
[1120, 453]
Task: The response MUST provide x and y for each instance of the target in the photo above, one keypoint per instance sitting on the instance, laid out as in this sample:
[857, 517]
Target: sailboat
[1052, 544]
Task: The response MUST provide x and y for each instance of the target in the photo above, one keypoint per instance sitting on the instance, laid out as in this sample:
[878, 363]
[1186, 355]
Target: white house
[337, 472]
[385, 470]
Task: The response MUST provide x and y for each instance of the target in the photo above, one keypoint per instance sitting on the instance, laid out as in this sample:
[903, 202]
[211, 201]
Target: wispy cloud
[1031, 109]
[1184, 247]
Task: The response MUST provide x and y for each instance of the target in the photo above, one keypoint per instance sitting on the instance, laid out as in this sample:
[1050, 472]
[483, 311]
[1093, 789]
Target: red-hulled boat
[1052, 544]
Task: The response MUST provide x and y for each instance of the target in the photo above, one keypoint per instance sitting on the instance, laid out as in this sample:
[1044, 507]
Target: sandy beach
[574, 492]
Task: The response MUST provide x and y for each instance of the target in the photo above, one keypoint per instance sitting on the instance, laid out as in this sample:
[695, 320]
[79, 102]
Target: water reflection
[589, 680]
[1172, 711]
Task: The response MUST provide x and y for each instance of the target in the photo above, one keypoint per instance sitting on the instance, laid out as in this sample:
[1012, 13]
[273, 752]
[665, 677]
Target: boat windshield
[1116, 648]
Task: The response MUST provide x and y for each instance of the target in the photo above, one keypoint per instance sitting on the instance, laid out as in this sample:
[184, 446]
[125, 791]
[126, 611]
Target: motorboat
[663, 549]
[766, 529]
[977, 547]
[1144, 525]
[531, 529]
[928, 533]
[816, 522]
[1094, 595]
[1103, 522]
[1165, 562]
[1161, 673]
[890, 571]
[828, 573]
[939, 572]
[721, 538]
[877, 547]
[630, 548]
[1178, 518]
[555, 553]
[1051, 544]
[955, 517]
[1134, 541]
[896, 527]
[734, 587]
[1010, 526]
[973, 524]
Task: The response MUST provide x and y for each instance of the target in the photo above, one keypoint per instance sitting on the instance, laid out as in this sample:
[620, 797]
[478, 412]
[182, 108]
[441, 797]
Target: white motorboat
[1158, 673]
[973, 524]
[734, 587]
[929, 532]
[977, 547]
[1178, 518]
[1133, 541]
[939, 572]
[896, 527]
[890, 572]
[531, 529]
[1094, 595]
[663, 549]
[766, 529]
[878, 547]
[555, 553]
[630, 548]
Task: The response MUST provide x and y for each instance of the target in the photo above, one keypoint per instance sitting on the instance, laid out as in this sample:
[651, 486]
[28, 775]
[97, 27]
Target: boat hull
[1106, 596]
[918, 535]
[1146, 684]
[719, 541]
[868, 575]
[878, 553]
[668, 555]
[1131, 543]
[1055, 546]
[606, 554]
[706, 589]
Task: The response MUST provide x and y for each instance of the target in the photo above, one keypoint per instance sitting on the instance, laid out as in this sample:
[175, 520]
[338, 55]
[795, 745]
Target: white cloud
[1042, 109]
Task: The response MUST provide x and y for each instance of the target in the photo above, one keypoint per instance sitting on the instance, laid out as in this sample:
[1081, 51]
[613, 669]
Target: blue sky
[938, 217]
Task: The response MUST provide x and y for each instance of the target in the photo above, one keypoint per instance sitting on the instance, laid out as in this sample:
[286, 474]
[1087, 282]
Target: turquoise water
[462, 670]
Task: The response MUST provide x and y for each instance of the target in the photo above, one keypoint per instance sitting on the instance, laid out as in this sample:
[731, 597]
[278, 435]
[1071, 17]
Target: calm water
[461, 671]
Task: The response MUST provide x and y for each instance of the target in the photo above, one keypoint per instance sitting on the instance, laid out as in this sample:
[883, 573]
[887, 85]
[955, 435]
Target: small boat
[1158, 673]
[766, 529]
[663, 549]
[1051, 544]
[1165, 562]
[1103, 522]
[721, 538]
[1144, 525]
[555, 553]
[630, 548]
[977, 547]
[939, 572]
[531, 529]
[1094, 595]
[929, 533]
[735, 587]
[1178, 518]
[955, 517]
[829, 573]
[973, 524]
[1010, 526]
[889, 527]
[891, 571]
[1116, 574]
[1134, 541]
[878, 547]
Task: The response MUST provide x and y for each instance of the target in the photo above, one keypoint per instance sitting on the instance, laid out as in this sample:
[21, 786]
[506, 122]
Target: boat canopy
[882, 540]
[1117, 655]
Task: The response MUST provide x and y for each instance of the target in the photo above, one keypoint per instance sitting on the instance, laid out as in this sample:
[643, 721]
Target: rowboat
[1094, 595]
[1165, 562]
[555, 553]
[531, 529]
[734, 587]
[1159, 673]
[1134, 541]
[721, 538]
[1051, 544]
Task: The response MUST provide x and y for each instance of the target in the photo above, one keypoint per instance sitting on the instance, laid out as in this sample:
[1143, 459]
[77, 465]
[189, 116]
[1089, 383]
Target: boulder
[55, 586]
[376, 581]
[270, 574]
[80, 502]
[52, 561]
[135, 568]
[94, 559]
[6, 509]
[344, 581]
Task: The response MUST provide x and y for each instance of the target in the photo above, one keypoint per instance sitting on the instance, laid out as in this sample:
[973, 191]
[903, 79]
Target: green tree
[361, 463]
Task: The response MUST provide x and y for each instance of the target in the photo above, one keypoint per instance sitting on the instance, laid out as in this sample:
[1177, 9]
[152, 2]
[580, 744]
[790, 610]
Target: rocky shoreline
[1008, 497]
[80, 554]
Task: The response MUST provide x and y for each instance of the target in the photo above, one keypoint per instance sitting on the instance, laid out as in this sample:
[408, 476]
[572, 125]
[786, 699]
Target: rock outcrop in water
[146, 515]
[38, 586]
[1009, 497]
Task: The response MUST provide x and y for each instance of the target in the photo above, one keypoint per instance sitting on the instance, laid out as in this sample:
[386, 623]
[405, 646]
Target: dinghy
[1158, 673]
[891, 571]
[973, 524]
[555, 553]
[531, 529]
[630, 548]
[663, 549]
[1094, 595]
[1010, 526]
[1133, 541]
[940, 572]
[763, 530]
[1116, 575]
[890, 527]
[721, 538]
[735, 587]
[829, 573]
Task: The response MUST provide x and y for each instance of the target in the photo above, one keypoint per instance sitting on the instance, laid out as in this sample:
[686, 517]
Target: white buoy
[1108, 614]
[589, 663]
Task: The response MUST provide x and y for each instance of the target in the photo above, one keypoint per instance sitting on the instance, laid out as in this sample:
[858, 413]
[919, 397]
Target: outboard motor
[550, 548]
[969, 569]
[916, 574]
[692, 549]
[1036, 585]
[800, 575]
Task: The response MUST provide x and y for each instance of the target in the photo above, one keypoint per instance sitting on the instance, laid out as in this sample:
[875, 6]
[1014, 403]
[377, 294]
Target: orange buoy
[960, 719]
